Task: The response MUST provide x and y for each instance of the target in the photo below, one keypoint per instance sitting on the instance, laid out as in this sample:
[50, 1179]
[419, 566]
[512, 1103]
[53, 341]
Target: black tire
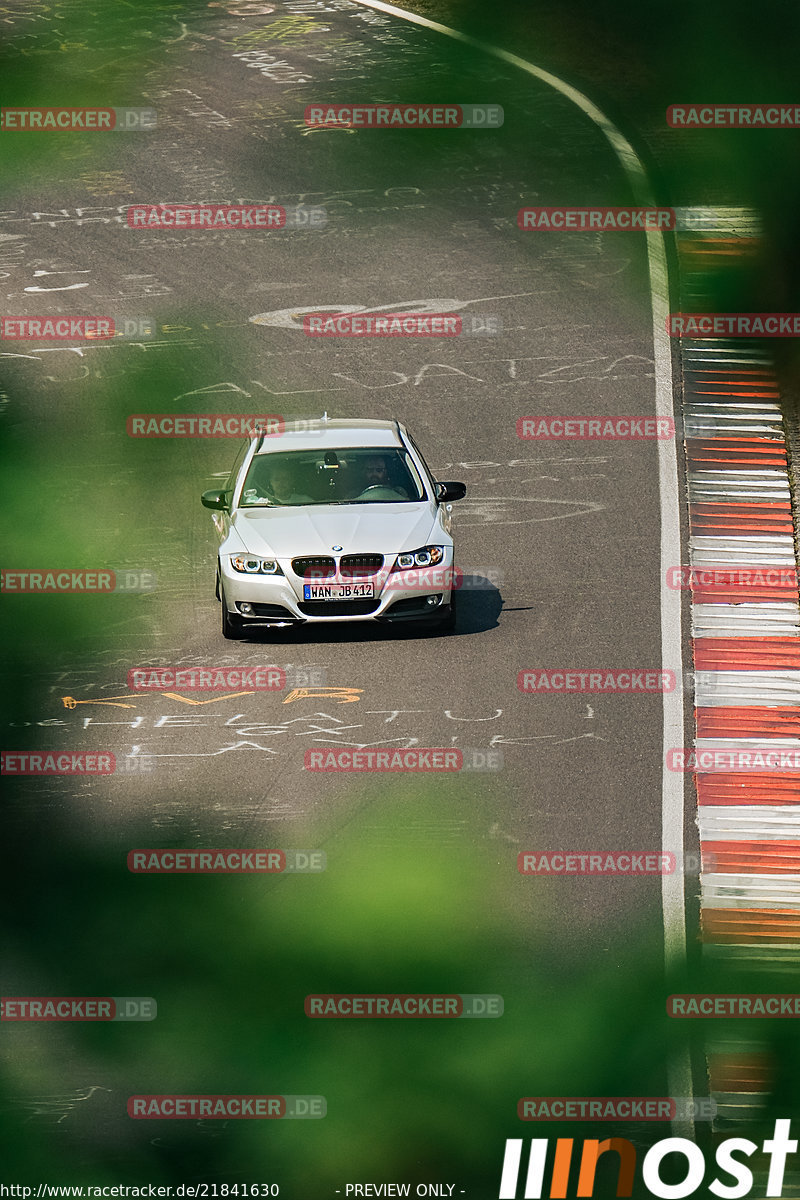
[232, 626]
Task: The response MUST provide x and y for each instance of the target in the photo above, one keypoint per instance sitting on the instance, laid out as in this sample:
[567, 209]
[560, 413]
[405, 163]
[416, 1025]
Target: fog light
[432, 600]
[246, 609]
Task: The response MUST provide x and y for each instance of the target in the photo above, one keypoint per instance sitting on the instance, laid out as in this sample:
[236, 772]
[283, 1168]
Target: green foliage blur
[230, 960]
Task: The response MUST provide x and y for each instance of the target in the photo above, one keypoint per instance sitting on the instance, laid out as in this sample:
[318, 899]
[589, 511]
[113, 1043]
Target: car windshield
[299, 478]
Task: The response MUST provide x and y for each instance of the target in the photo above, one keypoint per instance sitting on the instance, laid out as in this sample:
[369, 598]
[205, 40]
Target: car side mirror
[214, 499]
[446, 492]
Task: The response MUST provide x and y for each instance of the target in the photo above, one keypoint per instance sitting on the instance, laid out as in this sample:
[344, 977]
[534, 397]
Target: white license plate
[338, 591]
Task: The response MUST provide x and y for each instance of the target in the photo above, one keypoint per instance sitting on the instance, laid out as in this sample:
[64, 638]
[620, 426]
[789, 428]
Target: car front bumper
[417, 595]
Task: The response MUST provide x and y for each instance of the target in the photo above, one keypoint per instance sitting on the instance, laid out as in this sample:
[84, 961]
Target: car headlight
[250, 565]
[426, 556]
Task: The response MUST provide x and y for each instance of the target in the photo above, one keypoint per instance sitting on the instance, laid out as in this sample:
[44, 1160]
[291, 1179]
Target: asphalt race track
[558, 541]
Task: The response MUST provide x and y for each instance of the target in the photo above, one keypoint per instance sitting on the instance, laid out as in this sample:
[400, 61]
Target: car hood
[357, 528]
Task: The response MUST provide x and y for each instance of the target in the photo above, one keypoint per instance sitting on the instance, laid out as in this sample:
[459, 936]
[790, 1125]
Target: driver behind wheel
[376, 474]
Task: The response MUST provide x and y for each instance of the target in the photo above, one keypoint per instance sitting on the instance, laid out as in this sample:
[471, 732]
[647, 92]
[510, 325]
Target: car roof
[338, 433]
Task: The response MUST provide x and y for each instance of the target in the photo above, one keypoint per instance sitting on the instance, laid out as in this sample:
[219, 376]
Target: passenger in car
[276, 485]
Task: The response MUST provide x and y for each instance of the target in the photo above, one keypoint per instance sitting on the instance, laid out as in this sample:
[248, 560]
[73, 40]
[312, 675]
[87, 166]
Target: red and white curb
[746, 648]
[721, 518]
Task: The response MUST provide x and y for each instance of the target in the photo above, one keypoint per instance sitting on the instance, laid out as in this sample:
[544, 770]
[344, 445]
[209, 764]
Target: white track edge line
[672, 786]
